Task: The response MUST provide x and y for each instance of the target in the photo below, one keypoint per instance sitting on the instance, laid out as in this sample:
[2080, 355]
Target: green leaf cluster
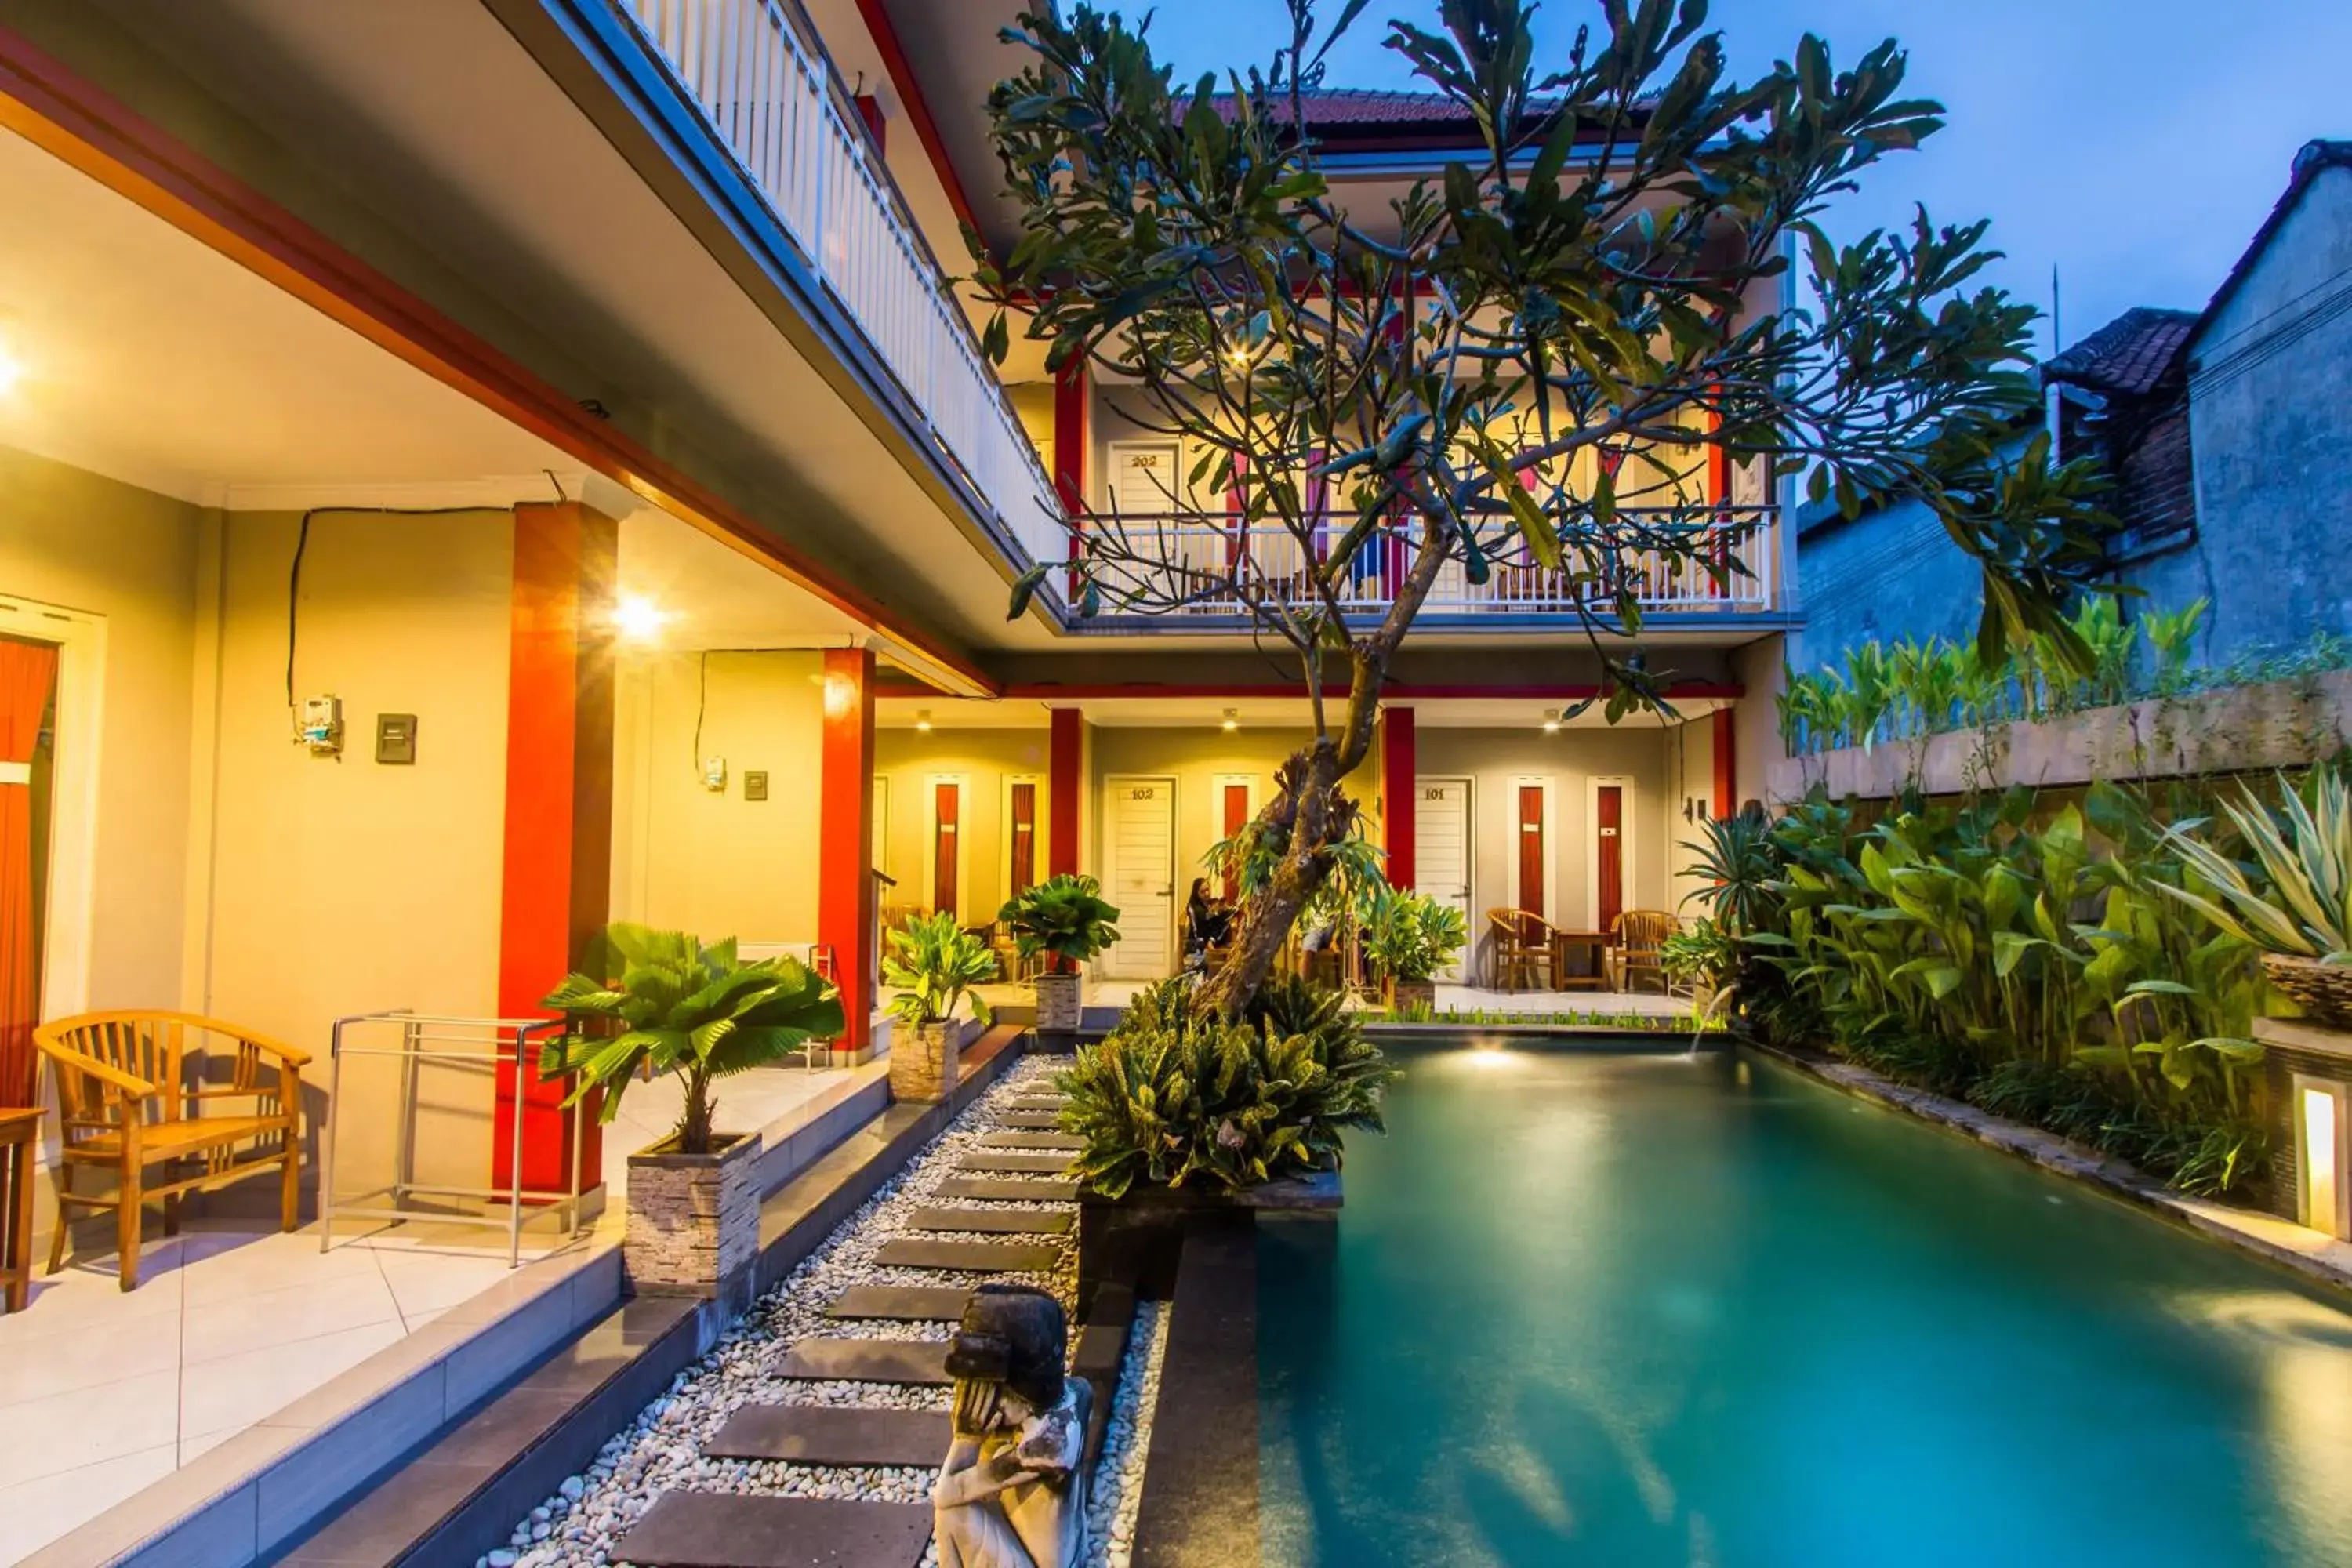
[1999, 946]
[1411, 936]
[661, 1002]
[1171, 1098]
[2296, 897]
[1065, 916]
[932, 963]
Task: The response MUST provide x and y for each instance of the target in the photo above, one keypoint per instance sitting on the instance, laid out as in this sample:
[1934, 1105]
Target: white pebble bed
[660, 1450]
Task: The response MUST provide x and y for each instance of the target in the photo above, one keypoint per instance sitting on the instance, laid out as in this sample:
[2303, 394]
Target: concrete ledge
[2314, 1256]
[248, 1497]
[796, 1139]
[1200, 1506]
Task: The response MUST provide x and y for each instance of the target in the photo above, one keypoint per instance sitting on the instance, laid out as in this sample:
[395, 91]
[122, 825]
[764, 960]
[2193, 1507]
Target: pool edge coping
[2243, 1229]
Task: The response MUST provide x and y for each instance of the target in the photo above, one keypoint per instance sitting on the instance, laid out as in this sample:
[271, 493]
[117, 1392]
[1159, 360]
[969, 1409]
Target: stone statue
[1011, 1493]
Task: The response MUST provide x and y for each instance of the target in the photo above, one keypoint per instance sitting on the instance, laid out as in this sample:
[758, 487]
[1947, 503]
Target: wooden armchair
[1519, 950]
[125, 1104]
[1637, 951]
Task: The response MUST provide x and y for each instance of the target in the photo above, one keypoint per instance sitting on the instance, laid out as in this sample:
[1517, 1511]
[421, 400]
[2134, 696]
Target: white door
[1441, 849]
[1139, 853]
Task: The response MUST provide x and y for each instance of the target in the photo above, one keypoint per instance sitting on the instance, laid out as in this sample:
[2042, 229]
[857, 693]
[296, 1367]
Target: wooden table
[20, 1134]
[1595, 942]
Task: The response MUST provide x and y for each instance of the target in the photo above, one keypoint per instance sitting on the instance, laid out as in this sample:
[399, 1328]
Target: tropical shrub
[1064, 916]
[1169, 1097]
[2296, 897]
[932, 965]
[1983, 951]
[1702, 956]
[1411, 936]
[670, 1004]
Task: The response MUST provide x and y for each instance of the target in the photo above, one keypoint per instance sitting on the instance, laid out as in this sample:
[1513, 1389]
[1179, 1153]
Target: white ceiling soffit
[149, 357]
[1283, 715]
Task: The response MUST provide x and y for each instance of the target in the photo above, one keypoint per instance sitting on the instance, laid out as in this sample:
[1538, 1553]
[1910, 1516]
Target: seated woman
[1208, 922]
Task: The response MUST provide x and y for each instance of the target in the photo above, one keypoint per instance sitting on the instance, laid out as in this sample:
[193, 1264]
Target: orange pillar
[844, 863]
[1064, 791]
[1398, 794]
[556, 883]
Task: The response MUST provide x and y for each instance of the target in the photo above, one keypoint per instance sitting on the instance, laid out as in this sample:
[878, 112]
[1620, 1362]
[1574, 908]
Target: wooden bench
[125, 1102]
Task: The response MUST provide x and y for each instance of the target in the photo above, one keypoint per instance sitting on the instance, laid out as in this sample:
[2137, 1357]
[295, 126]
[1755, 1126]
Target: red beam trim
[910, 92]
[80, 124]
[1397, 691]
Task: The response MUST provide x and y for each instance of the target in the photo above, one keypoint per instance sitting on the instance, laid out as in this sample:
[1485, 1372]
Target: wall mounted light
[1233, 720]
[638, 618]
[1552, 722]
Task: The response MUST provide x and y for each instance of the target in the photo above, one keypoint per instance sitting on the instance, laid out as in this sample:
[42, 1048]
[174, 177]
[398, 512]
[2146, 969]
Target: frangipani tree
[1425, 378]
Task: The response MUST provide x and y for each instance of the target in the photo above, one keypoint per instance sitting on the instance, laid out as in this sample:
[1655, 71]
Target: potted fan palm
[1066, 920]
[932, 965]
[2295, 903]
[1408, 937]
[661, 1001]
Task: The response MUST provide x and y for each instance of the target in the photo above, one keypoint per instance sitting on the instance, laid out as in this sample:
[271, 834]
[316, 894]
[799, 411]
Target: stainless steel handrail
[418, 1030]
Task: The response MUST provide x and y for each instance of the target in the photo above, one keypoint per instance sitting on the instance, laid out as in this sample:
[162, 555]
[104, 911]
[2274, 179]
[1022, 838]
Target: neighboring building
[2227, 434]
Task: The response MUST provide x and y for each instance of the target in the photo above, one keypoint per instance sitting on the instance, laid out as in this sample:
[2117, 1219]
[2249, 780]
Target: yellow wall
[1493, 759]
[910, 760]
[709, 862]
[343, 885]
[71, 538]
[1690, 753]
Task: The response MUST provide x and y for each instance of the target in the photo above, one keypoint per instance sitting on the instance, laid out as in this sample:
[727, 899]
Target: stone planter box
[2277, 725]
[1136, 1240]
[694, 1219]
[1058, 1001]
[925, 1058]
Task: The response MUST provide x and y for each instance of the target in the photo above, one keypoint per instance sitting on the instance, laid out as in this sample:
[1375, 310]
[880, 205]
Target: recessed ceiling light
[923, 720]
[12, 370]
[1551, 721]
[1232, 719]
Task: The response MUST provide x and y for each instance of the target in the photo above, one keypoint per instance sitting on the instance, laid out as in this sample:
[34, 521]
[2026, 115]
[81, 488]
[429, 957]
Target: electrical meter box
[322, 726]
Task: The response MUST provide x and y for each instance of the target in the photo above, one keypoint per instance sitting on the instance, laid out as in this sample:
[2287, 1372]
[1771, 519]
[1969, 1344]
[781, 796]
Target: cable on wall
[302, 548]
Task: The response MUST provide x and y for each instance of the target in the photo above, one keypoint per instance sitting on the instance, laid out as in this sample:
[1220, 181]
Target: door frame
[71, 897]
[1627, 840]
[878, 803]
[1037, 782]
[931, 783]
[1107, 856]
[1473, 917]
[1549, 784]
[1218, 784]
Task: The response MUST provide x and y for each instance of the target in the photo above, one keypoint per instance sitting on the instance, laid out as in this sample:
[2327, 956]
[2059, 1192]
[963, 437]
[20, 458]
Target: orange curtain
[26, 671]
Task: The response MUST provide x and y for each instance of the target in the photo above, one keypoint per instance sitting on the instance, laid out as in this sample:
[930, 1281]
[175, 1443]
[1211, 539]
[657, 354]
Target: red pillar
[1726, 764]
[1064, 791]
[1398, 793]
[845, 862]
[556, 882]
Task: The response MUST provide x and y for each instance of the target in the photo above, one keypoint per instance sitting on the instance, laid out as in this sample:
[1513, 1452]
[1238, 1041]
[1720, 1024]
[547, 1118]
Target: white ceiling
[1290, 715]
[150, 357]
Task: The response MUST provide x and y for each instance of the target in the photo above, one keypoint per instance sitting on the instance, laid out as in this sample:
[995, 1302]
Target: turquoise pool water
[1632, 1310]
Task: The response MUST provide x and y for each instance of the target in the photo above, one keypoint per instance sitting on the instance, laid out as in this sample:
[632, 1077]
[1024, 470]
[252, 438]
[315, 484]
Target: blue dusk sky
[2134, 144]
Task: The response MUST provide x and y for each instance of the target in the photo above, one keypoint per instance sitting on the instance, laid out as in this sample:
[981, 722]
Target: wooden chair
[1638, 950]
[1519, 949]
[125, 1103]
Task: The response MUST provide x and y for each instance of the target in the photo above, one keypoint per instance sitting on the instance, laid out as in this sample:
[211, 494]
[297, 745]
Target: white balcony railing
[1211, 563]
[765, 87]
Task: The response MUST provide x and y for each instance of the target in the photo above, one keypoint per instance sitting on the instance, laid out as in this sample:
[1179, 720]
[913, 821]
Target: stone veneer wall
[923, 1060]
[693, 1224]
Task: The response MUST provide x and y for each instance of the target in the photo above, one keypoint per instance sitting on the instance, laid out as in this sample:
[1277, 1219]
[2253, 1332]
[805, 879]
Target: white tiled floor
[1469, 998]
[102, 1393]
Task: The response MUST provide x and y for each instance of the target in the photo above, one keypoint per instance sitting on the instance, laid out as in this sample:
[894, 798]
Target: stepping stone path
[1059, 1142]
[986, 1190]
[1015, 1160]
[869, 1361]
[901, 1304]
[993, 1222]
[971, 1256]
[957, 1230]
[822, 1435]
[714, 1529]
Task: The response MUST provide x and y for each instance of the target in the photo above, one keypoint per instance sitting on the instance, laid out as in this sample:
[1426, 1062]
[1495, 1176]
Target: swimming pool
[1627, 1308]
